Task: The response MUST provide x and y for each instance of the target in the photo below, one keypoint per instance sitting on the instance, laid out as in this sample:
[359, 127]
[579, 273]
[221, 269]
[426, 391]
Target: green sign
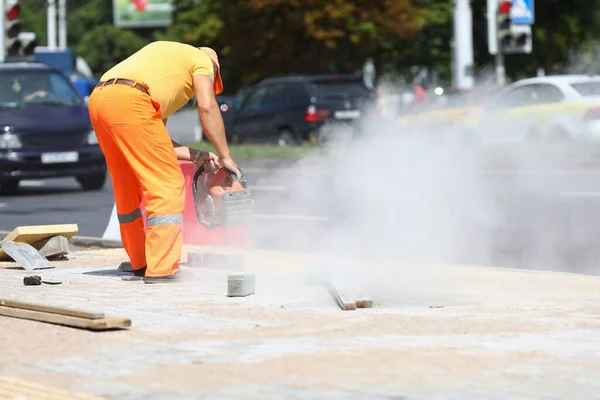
[142, 13]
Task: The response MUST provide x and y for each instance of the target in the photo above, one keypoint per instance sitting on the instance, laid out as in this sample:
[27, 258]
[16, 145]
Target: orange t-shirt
[168, 69]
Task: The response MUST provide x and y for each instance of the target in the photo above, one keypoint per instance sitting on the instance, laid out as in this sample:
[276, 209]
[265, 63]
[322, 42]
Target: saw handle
[231, 174]
[197, 174]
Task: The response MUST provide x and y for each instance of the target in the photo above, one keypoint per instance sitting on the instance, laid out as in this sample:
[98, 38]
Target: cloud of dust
[400, 206]
[403, 202]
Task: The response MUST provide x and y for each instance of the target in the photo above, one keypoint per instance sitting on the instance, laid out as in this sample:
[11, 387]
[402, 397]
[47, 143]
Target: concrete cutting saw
[221, 199]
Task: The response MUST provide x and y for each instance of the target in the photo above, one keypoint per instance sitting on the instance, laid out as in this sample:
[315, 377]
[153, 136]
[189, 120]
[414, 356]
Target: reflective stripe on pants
[132, 216]
[141, 160]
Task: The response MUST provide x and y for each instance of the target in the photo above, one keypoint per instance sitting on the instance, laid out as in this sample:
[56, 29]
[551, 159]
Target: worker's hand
[209, 161]
[230, 165]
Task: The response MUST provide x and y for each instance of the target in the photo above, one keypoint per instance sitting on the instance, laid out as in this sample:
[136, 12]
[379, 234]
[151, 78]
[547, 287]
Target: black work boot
[162, 279]
[138, 275]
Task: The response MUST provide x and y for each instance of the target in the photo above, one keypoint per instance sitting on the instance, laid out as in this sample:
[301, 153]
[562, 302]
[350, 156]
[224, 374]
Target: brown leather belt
[121, 81]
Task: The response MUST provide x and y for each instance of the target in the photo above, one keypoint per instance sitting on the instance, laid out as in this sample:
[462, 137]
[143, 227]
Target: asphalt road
[551, 224]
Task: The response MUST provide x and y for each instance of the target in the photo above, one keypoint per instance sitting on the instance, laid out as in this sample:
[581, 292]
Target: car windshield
[587, 88]
[27, 89]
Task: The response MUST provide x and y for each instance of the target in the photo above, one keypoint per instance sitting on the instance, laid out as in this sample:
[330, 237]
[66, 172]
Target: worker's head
[216, 68]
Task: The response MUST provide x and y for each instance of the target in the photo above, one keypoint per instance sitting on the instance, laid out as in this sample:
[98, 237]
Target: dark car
[228, 105]
[294, 109]
[45, 129]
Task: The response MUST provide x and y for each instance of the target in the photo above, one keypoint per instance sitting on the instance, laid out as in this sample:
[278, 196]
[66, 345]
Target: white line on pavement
[33, 183]
[290, 217]
[3, 205]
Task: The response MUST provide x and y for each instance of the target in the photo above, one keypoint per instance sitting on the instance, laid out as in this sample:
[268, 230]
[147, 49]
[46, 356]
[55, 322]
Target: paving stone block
[240, 284]
[53, 247]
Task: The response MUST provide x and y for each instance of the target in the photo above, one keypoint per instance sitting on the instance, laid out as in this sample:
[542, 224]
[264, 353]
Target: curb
[86, 241]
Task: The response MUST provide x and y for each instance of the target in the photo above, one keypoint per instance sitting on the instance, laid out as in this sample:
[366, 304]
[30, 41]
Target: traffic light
[12, 28]
[512, 38]
[504, 22]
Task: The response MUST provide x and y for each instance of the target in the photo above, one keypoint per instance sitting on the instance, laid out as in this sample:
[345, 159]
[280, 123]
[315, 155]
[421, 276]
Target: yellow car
[441, 112]
[562, 107]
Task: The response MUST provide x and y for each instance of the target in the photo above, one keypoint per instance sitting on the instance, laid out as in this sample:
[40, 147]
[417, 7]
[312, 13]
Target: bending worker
[129, 110]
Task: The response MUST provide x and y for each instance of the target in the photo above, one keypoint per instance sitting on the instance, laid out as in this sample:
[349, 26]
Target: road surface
[552, 224]
[523, 219]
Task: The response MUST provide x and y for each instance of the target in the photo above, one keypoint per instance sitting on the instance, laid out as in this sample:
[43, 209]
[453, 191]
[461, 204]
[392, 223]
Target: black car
[294, 109]
[45, 129]
[227, 105]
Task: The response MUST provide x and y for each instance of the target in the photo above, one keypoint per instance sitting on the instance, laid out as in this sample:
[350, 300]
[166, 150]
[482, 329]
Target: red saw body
[221, 199]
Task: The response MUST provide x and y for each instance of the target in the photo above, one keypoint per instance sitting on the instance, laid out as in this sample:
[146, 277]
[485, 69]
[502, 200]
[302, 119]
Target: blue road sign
[522, 12]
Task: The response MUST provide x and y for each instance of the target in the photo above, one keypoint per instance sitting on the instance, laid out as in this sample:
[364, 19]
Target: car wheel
[93, 181]
[286, 138]
[9, 187]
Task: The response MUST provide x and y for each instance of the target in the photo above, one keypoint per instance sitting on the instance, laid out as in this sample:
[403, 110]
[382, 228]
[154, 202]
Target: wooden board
[364, 302]
[345, 302]
[17, 389]
[49, 309]
[347, 299]
[101, 324]
[35, 233]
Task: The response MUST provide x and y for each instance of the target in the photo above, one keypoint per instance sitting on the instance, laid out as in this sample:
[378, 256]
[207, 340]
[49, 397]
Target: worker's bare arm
[212, 120]
[210, 115]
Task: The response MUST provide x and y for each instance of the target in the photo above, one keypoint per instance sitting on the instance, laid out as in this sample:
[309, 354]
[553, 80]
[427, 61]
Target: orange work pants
[141, 160]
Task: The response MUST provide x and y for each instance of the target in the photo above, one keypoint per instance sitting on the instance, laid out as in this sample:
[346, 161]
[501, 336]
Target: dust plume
[401, 206]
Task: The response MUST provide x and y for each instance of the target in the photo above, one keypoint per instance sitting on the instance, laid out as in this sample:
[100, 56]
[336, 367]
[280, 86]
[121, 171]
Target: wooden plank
[18, 389]
[35, 233]
[364, 302]
[50, 309]
[345, 302]
[65, 320]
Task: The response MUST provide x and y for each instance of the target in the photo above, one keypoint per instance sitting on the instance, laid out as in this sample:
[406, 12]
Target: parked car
[45, 129]
[294, 109]
[561, 107]
[227, 105]
[443, 110]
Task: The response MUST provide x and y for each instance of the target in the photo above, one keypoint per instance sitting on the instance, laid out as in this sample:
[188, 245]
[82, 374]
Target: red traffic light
[504, 7]
[14, 12]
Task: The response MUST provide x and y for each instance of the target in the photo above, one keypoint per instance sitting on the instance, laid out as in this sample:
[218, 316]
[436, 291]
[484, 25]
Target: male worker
[129, 110]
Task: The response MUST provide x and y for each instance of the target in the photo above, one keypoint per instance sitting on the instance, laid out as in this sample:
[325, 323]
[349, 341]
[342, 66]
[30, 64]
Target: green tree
[260, 38]
[104, 46]
[90, 32]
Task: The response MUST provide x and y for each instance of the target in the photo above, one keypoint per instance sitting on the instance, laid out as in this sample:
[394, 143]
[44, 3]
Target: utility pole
[51, 25]
[2, 47]
[463, 45]
[62, 24]
[500, 71]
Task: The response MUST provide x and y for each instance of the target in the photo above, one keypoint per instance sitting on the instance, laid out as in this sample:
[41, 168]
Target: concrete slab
[433, 332]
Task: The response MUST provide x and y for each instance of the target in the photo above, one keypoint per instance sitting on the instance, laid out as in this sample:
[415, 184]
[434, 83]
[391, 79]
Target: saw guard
[226, 202]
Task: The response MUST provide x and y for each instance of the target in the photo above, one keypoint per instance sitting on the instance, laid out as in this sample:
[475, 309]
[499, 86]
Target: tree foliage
[260, 38]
